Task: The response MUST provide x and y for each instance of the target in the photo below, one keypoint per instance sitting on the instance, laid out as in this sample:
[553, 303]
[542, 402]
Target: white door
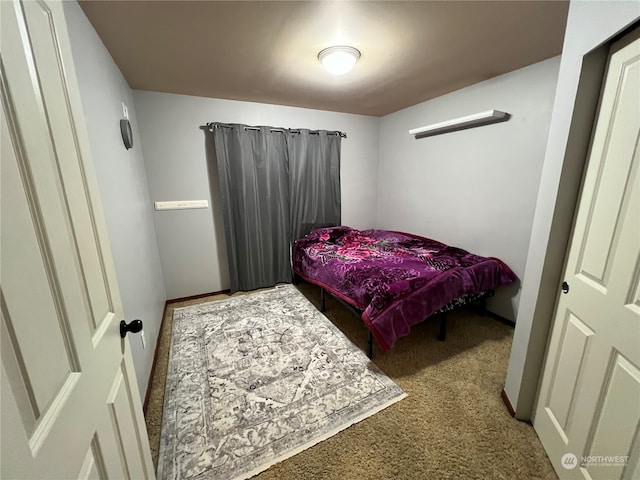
[70, 406]
[588, 410]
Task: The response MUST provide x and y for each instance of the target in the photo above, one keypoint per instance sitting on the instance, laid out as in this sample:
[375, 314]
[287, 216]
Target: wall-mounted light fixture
[470, 121]
[339, 60]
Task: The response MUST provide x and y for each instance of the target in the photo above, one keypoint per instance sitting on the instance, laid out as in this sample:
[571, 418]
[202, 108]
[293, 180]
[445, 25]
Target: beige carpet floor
[452, 425]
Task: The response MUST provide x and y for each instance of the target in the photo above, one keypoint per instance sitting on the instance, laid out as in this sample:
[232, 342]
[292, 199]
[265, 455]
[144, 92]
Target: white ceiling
[267, 51]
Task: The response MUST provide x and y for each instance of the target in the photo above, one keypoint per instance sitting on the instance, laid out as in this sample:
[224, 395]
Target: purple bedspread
[397, 279]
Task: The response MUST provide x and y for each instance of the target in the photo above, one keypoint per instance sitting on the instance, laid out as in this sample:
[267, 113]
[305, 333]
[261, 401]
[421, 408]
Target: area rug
[255, 379]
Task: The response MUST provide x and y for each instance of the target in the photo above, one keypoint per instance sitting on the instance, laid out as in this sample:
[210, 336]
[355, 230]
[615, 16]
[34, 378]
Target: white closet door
[588, 411]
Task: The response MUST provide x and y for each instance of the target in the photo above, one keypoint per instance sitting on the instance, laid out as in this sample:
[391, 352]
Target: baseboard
[500, 318]
[507, 403]
[495, 316]
[195, 297]
[155, 353]
[512, 412]
[155, 361]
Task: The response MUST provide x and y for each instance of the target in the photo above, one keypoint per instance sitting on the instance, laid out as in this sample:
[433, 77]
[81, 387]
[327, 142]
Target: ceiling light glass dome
[339, 60]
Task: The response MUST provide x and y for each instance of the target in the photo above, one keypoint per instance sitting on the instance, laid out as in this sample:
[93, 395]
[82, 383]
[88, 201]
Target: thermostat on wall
[125, 131]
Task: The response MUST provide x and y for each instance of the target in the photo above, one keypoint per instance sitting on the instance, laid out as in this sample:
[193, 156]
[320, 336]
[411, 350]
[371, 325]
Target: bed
[394, 280]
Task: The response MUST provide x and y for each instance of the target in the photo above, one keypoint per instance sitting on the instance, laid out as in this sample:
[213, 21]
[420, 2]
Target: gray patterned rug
[256, 379]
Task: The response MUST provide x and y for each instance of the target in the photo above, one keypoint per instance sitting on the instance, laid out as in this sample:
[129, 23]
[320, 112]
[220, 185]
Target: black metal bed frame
[477, 301]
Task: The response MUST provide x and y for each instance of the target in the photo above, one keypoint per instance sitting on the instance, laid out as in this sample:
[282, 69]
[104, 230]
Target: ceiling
[266, 51]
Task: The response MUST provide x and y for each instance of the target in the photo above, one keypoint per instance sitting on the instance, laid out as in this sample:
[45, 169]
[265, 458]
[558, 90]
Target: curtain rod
[210, 126]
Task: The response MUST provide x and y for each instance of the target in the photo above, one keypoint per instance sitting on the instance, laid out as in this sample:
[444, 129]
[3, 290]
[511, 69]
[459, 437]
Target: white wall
[123, 186]
[475, 188]
[589, 26]
[191, 242]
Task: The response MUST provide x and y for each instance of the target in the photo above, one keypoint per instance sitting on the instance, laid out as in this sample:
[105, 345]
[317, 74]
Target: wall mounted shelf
[181, 205]
[462, 123]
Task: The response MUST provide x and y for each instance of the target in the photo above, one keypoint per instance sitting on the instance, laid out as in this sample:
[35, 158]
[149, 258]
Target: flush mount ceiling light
[339, 60]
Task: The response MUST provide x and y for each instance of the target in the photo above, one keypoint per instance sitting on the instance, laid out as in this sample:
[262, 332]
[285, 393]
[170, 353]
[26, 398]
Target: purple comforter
[397, 279]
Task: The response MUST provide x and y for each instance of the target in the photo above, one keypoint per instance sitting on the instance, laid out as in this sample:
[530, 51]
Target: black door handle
[134, 327]
[565, 287]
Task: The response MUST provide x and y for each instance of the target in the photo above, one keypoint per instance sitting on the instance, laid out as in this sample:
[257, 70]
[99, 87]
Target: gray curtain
[254, 190]
[276, 185]
[314, 180]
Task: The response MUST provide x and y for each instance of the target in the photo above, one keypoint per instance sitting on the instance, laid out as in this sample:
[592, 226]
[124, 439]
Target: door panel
[122, 423]
[589, 401]
[93, 465]
[56, 103]
[565, 383]
[67, 376]
[613, 430]
[21, 241]
[607, 205]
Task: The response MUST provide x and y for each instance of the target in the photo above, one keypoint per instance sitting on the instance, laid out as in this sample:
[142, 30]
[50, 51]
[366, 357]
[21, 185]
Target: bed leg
[442, 334]
[322, 300]
[481, 307]
[369, 344]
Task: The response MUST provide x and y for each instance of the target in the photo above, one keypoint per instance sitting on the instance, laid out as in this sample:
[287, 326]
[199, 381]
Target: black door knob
[565, 287]
[134, 327]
